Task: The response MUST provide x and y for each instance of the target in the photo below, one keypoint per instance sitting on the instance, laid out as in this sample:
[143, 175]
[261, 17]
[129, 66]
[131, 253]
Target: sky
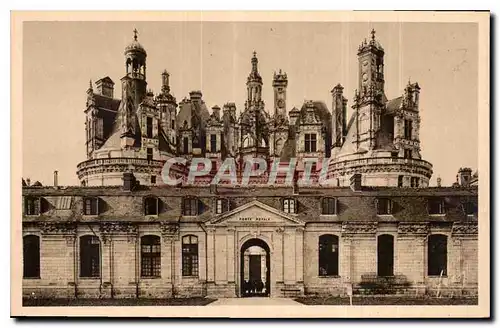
[59, 59]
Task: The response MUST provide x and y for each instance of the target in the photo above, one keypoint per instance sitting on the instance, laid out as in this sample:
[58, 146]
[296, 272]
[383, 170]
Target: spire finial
[90, 84]
[135, 34]
[254, 54]
[373, 34]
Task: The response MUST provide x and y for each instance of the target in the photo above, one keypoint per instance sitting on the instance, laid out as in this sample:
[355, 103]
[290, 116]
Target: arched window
[328, 255]
[437, 255]
[329, 206]
[385, 255]
[90, 256]
[150, 256]
[189, 255]
[31, 256]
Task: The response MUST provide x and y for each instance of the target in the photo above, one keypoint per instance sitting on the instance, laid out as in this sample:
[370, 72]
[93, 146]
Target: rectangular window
[173, 124]
[436, 206]
[400, 181]
[328, 206]
[384, 206]
[190, 206]
[437, 255]
[190, 256]
[149, 127]
[31, 256]
[150, 154]
[328, 255]
[185, 145]
[153, 179]
[32, 205]
[414, 182]
[150, 256]
[470, 208]
[408, 129]
[289, 205]
[310, 142]
[151, 206]
[91, 206]
[408, 153]
[90, 256]
[213, 143]
[100, 128]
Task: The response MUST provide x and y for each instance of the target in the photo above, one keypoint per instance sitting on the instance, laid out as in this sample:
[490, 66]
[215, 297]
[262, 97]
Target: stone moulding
[65, 228]
[413, 229]
[357, 228]
[169, 229]
[110, 228]
[462, 228]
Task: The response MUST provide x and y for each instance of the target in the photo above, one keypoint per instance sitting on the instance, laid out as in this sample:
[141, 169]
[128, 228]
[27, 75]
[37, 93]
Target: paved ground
[263, 301]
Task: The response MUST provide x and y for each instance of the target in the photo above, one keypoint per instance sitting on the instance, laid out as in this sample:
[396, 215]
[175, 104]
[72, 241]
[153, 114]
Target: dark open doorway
[255, 270]
[385, 255]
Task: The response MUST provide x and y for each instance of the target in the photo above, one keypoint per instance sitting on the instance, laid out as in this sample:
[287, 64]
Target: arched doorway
[255, 269]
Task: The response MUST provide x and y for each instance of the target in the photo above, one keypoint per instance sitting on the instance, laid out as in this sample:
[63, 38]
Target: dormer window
[213, 143]
[149, 127]
[91, 206]
[384, 206]
[408, 129]
[151, 206]
[310, 142]
[221, 205]
[190, 206]
[289, 206]
[436, 206]
[32, 205]
[329, 206]
[470, 208]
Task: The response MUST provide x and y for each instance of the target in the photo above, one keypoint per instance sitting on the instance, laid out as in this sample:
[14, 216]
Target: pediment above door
[256, 213]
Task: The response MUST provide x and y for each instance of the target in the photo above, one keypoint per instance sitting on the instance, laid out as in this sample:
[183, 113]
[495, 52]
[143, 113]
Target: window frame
[190, 256]
[221, 205]
[441, 206]
[289, 205]
[330, 203]
[469, 208]
[185, 145]
[149, 206]
[190, 210]
[36, 205]
[149, 127]
[150, 259]
[388, 208]
[87, 268]
[94, 207]
[310, 142]
[149, 154]
[325, 242]
[213, 143]
[32, 270]
[433, 257]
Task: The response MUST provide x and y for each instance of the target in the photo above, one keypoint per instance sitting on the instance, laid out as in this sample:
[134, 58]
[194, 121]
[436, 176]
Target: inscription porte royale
[260, 219]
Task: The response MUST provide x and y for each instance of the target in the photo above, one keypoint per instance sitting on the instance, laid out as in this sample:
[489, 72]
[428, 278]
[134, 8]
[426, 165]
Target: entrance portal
[255, 268]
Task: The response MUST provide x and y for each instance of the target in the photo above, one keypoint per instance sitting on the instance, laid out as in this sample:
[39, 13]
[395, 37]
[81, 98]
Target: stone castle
[139, 131]
[379, 229]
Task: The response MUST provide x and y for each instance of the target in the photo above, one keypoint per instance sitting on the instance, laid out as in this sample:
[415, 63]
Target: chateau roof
[393, 105]
[106, 102]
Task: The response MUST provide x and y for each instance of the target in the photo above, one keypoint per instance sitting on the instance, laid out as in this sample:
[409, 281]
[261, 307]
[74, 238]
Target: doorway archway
[255, 268]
